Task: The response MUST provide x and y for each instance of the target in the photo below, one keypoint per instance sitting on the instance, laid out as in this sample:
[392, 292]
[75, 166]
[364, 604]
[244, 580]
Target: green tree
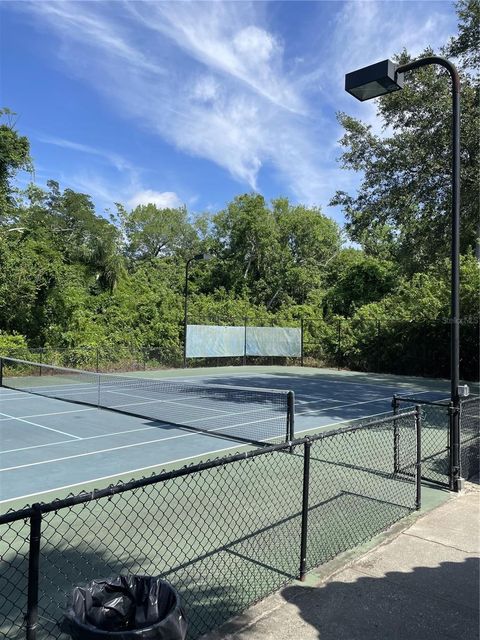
[276, 254]
[357, 279]
[246, 241]
[14, 156]
[151, 232]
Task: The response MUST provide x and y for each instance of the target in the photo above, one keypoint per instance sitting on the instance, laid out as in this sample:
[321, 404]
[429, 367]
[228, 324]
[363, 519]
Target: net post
[396, 435]
[290, 416]
[33, 573]
[1, 372]
[302, 330]
[418, 466]
[305, 495]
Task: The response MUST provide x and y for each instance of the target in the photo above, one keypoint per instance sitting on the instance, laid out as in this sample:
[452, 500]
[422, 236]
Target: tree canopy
[72, 277]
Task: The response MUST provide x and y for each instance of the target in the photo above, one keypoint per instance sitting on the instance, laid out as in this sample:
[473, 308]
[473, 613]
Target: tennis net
[242, 414]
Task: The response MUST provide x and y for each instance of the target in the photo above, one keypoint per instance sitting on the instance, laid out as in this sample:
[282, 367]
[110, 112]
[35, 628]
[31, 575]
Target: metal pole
[302, 329]
[306, 486]
[33, 573]
[339, 337]
[185, 314]
[453, 422]
[455, 301]
[245, 321]
[291, 416]
[396, 436]
[377, 346]
[418, 466]
[455, 259]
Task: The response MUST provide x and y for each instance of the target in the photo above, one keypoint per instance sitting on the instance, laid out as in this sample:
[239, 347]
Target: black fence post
[290, 416]
[306, 487]
[339, 342]
[40, 360]
[301, 341]
[396, 435]
[454, 428]
[1, 372]
[97, 358]
[418, 470]
[377, 349]
[33, 573]
[245, 321]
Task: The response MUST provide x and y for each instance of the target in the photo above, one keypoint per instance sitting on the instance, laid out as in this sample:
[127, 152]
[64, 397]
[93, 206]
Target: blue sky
[194, 103]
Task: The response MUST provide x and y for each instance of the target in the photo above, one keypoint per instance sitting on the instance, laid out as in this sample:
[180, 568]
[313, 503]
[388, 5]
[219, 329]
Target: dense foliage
[71, 278]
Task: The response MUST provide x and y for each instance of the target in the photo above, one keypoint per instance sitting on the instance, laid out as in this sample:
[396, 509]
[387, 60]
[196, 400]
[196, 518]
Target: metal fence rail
[225, 533]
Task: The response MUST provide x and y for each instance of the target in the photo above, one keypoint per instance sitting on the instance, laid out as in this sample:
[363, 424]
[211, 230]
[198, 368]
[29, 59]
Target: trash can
[125, 607]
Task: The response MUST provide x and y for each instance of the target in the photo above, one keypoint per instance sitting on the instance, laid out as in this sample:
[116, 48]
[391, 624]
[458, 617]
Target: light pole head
[373, 81]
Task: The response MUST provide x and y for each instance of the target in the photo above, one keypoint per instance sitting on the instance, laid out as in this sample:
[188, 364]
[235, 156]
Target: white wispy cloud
[165, 200]
[212, 79]
[116, 160]
[225, 37]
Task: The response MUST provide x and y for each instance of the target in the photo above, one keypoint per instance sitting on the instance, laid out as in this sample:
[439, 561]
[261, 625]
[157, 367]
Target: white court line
[116, 433]
[228, 415]
[137, 444]
[64, 433]
[122, 393]
[193, 406]
[334, 424]
[52, 413]
[92, 453]
[100, 435]
[315, 399]
[341, 406]
[121, 473]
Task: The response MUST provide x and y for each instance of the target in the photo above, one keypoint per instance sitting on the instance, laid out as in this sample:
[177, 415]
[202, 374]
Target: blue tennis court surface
[48, 444]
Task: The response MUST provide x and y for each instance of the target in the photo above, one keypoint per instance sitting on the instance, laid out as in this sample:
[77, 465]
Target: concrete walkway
[420, 583]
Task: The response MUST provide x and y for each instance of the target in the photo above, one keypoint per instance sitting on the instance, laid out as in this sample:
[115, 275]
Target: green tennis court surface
[52, 445]
[225, 535]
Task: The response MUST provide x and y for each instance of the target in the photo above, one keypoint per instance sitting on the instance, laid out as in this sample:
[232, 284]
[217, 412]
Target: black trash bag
[126, 608]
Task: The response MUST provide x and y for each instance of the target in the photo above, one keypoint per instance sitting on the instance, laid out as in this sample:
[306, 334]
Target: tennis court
[57, 445]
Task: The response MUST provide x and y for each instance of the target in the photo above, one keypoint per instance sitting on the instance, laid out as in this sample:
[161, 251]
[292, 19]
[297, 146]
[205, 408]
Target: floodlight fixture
[374, 81]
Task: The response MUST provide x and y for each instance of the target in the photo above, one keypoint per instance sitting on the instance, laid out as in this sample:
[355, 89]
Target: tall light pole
[199, 256]
[377, 80]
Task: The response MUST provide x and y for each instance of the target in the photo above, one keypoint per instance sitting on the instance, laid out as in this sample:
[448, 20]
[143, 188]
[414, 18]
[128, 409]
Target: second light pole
[199, 256]
[380, 79]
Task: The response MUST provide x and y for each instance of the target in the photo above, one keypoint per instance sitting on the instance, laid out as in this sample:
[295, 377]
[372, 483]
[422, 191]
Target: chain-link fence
[225, 533]
[400, 347]
[470, 437]
[437, 437]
